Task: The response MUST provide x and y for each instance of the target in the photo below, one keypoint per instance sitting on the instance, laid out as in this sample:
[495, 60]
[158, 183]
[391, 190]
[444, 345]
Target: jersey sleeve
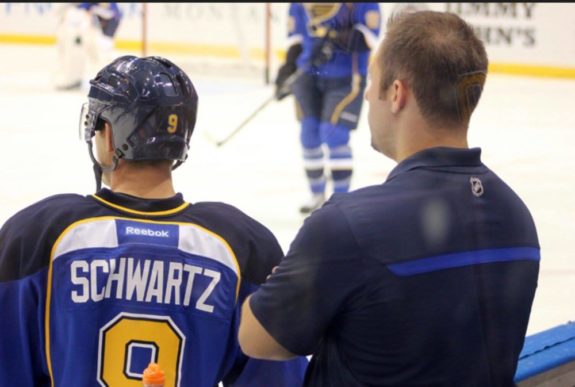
[263, 253]
[25, 243]
[367, 20]
[21, 304]
[255, 247]
[296, 23]
[322, 269]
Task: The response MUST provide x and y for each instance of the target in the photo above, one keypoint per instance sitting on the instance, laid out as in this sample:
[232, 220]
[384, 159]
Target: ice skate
[315, 202]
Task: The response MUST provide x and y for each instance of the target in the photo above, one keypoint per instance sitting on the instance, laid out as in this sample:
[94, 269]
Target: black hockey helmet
[151, 105]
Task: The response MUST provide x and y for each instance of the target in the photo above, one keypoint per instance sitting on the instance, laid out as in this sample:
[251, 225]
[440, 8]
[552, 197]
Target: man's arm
[250, 371]
[255, 341]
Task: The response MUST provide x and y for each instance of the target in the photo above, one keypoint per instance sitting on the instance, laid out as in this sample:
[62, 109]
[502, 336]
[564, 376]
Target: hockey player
[85, 41]
[94, 288]
[330, 44]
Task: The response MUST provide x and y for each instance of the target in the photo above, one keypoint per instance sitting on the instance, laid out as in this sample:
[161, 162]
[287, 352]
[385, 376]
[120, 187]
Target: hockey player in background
[94, 288]
[329, 44]
[85, 41]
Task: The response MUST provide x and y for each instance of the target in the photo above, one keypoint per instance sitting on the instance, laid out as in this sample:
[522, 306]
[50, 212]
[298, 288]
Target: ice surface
[525, 126]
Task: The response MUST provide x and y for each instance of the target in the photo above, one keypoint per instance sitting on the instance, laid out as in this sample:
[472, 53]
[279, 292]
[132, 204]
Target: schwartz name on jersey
[94, 288]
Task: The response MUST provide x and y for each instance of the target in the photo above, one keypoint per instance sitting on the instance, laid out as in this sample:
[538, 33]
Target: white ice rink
[525, 126]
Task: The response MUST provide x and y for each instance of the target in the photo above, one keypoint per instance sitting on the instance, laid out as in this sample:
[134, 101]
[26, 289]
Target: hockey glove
[282, 89]
[322, 52]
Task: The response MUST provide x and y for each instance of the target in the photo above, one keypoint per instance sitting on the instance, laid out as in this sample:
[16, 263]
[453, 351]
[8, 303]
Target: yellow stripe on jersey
[147, 213]
[355, 86]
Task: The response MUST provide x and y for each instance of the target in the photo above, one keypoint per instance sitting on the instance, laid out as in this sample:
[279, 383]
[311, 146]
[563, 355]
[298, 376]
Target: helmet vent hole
[167, 85]
[114, 81]
[182, 84]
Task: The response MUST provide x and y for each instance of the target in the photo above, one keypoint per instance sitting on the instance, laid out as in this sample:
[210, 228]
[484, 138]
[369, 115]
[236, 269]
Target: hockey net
[242, 40]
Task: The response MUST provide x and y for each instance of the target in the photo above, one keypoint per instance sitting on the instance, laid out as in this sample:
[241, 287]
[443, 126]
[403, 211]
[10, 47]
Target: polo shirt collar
[439, 157]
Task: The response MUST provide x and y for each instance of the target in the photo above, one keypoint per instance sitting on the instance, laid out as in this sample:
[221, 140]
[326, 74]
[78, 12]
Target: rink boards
[548, 358]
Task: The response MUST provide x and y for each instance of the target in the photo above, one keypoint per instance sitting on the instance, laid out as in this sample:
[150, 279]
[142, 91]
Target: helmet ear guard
[150, 104]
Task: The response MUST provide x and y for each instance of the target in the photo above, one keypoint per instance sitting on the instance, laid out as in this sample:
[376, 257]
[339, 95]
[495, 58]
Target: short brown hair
[441, 59]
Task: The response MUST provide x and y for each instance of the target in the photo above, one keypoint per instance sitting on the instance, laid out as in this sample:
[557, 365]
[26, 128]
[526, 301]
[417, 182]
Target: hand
[273, 271]
[286, 70]
[282, 89]
[322, 53]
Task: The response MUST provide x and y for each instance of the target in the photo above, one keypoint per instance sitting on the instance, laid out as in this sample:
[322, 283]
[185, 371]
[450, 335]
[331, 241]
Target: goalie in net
[85, 41]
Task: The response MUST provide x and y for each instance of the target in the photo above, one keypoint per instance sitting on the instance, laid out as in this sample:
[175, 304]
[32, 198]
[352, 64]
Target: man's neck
[432, 138]
[147, 183]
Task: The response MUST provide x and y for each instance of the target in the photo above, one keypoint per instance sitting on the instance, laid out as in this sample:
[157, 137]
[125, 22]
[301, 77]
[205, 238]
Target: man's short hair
[442, 61]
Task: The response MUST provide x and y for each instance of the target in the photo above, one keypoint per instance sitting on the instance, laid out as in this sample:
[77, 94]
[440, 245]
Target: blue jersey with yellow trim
[311, 23]
[94, 288]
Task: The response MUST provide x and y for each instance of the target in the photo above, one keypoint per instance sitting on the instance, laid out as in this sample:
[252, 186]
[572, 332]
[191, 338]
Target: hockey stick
[245, 122]
[285, 88]
[287, 84]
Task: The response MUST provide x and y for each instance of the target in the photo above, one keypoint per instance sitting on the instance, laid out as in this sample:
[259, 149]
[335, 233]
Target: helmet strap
[98, 175]
[177, 164]
[98, 168]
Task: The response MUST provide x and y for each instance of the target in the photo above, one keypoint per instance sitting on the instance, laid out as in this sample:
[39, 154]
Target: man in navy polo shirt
[427, 279]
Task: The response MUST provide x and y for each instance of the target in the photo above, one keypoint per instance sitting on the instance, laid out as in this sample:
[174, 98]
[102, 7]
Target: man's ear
[398, 96]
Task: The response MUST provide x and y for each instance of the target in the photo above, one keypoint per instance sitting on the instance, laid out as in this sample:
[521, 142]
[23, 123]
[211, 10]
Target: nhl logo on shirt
[476, 186]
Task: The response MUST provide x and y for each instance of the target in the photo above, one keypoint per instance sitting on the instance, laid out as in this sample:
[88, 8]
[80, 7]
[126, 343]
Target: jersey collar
[439, 157]
[139, 206]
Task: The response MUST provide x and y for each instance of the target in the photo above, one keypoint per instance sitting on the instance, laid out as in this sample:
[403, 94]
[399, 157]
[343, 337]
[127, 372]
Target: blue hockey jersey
[94, 288]
[311, 24]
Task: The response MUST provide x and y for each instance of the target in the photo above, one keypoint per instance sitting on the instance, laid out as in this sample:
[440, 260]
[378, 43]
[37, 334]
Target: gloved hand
[282, 89]
[322, 52]
[285, 71]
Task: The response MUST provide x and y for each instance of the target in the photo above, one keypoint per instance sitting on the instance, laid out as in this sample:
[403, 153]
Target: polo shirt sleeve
[308, 292]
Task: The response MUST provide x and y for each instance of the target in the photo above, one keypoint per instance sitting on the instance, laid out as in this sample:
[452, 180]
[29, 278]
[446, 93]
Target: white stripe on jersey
[370, 38]
[85, 234]
[102, 233]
